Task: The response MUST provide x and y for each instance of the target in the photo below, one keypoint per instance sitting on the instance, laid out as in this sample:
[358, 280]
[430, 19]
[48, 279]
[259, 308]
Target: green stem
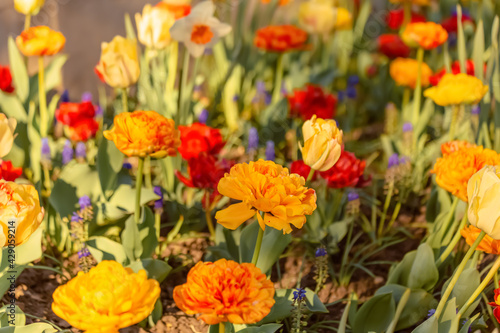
[460, 268]
[27, 22]
[395, 214]
[310, 176]
[42, 99]
[175, 231]
[418, 88]
[479, 290]
[173, 59]
[124, 100]
[455, 109]
[258, 245]
[222, 327]
[138, 187]
[182, 88]
[386, 207]
[208, 215]
[46, 179]
[407, 14]
[157, 228]
[497, 284]
[278, 79]
[453, 242]
[401, 305]
[147, 172]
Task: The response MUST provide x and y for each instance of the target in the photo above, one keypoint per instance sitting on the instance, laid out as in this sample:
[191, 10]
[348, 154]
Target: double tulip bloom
[457, 89]
[322, 143]
[40, 41]
[79, 120]
[19, 203]
[280, 38]
[404, 72]
[107, 298]
[225, 291]
[144, 133]
[427, 35]
[310, 101]
[119, 63]
[269, 188]
[322, 17]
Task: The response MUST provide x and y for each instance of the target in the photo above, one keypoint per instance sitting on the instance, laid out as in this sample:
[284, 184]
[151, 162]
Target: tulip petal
[233, 216]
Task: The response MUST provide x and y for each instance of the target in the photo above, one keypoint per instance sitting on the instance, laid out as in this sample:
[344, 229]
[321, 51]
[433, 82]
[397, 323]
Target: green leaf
[466, 284]
[478, 51]
[19, 71]
[139, 240]
[268, 328]
[124, 197]
[13, 314]
[156, 269]
[32, 328]
[103, 248]
[12, 107]
[375, 315]
[431, 325]
[424, 273]
[468, 323]
[273, 245]
[282, 307]
[29, 251]
[462, 52]
[109, 163]
[129, 28]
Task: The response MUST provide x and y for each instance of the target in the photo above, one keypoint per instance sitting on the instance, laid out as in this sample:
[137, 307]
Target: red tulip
[299, 167]
[6, 80]
[72, 113]
[395, 18]
[312, 101]
[393, 46]
[451, 23]
[199, 138]
[83, 130]
[347, 172]
[10, 173]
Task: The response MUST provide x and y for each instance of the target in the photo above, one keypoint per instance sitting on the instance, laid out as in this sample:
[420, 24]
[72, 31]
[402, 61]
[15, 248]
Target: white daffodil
[200, 29]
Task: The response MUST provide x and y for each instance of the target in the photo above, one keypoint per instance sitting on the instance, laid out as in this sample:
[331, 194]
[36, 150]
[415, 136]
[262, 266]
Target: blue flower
[45, 150]
[159, 202]
[76, 218]
[407, 127]
[127, 166]
[84, 202]
[81, 150]
[87, 97]
[67, 153]
[321, 252]
[299, 294]
[393, 161]
[351, 196]
[431, 313]
[270, 153]
[253, 139]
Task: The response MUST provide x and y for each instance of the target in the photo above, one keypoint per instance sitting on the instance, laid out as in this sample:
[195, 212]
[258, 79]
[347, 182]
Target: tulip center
[201, 34]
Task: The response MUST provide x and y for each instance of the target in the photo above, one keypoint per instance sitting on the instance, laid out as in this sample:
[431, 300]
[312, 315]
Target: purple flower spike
[393, 161]
[203, 117]
[270, 151]
[81, 150]
[407, 127]
[67, 153]
[253, 139]
[84, 202]
[87, 97]
[351, 196]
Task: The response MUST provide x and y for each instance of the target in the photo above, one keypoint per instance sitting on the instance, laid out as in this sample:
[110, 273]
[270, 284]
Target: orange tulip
[144, 133]
[427, 35]
[404, 72]
[40, 41]
[487, 244]
[225, 291]
[280, 38]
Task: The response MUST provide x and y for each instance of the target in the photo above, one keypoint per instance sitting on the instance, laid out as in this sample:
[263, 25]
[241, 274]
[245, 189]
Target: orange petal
[233, 216]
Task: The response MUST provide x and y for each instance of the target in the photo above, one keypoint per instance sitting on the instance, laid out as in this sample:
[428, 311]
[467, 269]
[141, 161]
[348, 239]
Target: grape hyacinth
[67, 153]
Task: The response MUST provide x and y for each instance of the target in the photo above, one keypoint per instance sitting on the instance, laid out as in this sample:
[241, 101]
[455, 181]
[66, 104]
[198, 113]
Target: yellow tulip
[321, 17]
[153, 26]
[28, 7]
[18, 203]
[7, 128]
[119, 63]
[107, 298]
[483, 191]
[322, 143]
[457, 89]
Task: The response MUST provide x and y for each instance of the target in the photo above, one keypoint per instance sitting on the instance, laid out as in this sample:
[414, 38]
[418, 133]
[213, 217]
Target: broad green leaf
[466, 284]
[31, 250]
[12, 315]
[462, 52]
[156, 269]
[19, 71]
[478, 51]
[129, 28]
[12, 107]
[431, 325]
[375, 315]
[32, 328]
[109, 163]
[424, 273]
[268, 328]
[103, 248]
[124, 197]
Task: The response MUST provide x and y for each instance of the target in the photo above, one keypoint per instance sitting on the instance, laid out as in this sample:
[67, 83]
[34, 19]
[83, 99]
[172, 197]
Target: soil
[35, 286]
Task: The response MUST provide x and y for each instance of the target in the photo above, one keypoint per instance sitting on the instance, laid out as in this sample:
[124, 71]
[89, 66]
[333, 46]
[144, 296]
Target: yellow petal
[233, 216]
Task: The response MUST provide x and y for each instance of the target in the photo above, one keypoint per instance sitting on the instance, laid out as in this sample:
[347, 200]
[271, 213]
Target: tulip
[153, 26]
[322, 143]
[119, 63]
[28, 7]
[483, 191]
[7, 128]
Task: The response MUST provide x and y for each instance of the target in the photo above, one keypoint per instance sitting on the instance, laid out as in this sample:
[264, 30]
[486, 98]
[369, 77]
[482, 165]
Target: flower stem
[479, 290]
[278, 79]
[258, 245]
[42, 99]
[453, 242]
[138, 187]
[460, 268]
[418, 88]
[310, 176]
[455, 109]
[124, 100]
[158, 227]
[208, 215]
[394, 216]
[27, 22]
[407, 14]
[147, 172]
[222, 327]
[183, 87]
[386, 207]
[173, 59]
